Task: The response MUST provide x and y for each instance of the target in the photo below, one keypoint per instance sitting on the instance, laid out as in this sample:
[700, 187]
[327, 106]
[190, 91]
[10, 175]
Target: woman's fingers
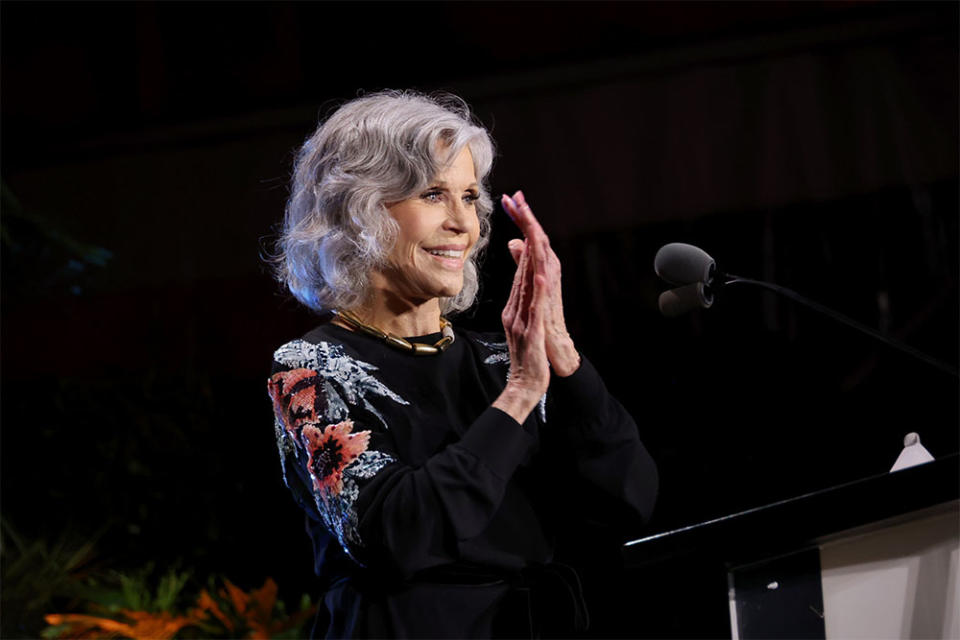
[544, 263]
[525, 319]
[537, 242]
[516, 247]
[521, 268]
[530, 288]
[534, 329]
[513, 301]
[538, 305]
[530, 285]
[526, 214]
[522, 215]
[529, 267]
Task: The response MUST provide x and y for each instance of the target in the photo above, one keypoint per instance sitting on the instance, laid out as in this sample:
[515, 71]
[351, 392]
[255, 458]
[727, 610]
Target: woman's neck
[402, 319]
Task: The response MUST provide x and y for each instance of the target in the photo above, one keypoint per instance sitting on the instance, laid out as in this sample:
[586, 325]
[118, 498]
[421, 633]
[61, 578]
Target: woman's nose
[458, 214]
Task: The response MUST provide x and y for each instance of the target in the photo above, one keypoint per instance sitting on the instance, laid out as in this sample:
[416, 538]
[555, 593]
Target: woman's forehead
[457, 167]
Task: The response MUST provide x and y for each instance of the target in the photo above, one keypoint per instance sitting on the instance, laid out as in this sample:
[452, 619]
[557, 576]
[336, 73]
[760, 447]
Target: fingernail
[519, 198]
[512, 208]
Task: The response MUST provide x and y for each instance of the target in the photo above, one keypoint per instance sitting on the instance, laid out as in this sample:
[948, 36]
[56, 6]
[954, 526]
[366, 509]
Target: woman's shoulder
[314, 350]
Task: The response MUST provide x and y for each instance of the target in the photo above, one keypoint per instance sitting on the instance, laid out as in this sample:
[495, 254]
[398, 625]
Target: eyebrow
[441, 183]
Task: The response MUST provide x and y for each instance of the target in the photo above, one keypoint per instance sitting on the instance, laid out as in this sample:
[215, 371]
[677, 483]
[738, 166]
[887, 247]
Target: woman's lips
[450, 256]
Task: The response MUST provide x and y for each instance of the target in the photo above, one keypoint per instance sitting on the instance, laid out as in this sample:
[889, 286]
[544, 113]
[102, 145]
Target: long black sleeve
[605, 444]
[416, 516]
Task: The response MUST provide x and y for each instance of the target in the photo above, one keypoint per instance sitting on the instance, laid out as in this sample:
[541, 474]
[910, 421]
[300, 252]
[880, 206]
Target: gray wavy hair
[376, 149]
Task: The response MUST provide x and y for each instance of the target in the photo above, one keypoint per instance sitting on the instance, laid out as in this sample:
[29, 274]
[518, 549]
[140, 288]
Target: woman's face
[438, 229]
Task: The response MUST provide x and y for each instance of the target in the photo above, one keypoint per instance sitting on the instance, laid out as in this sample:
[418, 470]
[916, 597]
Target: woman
[432, 467]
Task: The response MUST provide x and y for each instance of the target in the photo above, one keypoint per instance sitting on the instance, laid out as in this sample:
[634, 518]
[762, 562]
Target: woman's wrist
[566, 359]
[517, 401]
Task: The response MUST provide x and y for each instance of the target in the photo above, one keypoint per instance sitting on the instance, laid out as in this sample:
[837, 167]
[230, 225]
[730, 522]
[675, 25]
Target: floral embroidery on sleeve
[344, 379]
[311, 409]
[331, 450]
[294, 395]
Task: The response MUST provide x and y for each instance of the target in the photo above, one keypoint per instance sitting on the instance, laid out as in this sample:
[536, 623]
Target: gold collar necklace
[396, 341]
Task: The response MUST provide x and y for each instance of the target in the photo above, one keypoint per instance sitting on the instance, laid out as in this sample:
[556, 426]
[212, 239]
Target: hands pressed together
[533, 321]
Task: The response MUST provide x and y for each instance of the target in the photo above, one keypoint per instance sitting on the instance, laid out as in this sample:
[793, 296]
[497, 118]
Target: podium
[873, 558]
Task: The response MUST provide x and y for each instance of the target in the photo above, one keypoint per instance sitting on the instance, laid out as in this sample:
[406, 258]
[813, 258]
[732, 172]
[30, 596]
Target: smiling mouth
[450, 258]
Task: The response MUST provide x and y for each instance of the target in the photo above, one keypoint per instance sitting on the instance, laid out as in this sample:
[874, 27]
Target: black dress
[432, 513]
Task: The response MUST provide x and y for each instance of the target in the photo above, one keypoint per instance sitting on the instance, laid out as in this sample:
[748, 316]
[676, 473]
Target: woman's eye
[432, 196]
[470, 198]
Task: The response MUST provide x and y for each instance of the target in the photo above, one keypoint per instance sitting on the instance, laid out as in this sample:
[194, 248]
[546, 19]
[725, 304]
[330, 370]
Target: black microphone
[692, 268]
[696, 272]
[679, 263]
[680, 300]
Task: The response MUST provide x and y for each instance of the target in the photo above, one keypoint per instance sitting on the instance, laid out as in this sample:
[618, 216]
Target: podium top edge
[805, 518]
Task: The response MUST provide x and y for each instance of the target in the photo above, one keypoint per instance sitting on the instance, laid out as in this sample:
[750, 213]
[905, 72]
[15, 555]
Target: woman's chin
[450, 293]
[449, 290]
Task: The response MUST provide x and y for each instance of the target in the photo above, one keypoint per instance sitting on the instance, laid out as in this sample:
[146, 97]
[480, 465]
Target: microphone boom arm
[793, 295]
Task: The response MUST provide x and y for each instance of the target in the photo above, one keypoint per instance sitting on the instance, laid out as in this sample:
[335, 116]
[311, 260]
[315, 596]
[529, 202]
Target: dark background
[146, 149]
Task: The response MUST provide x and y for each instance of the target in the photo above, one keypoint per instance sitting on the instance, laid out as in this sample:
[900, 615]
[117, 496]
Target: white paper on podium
[913, 453]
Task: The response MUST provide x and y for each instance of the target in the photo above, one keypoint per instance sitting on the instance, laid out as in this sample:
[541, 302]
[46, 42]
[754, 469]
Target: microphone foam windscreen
[678, 301]
[680, 264]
